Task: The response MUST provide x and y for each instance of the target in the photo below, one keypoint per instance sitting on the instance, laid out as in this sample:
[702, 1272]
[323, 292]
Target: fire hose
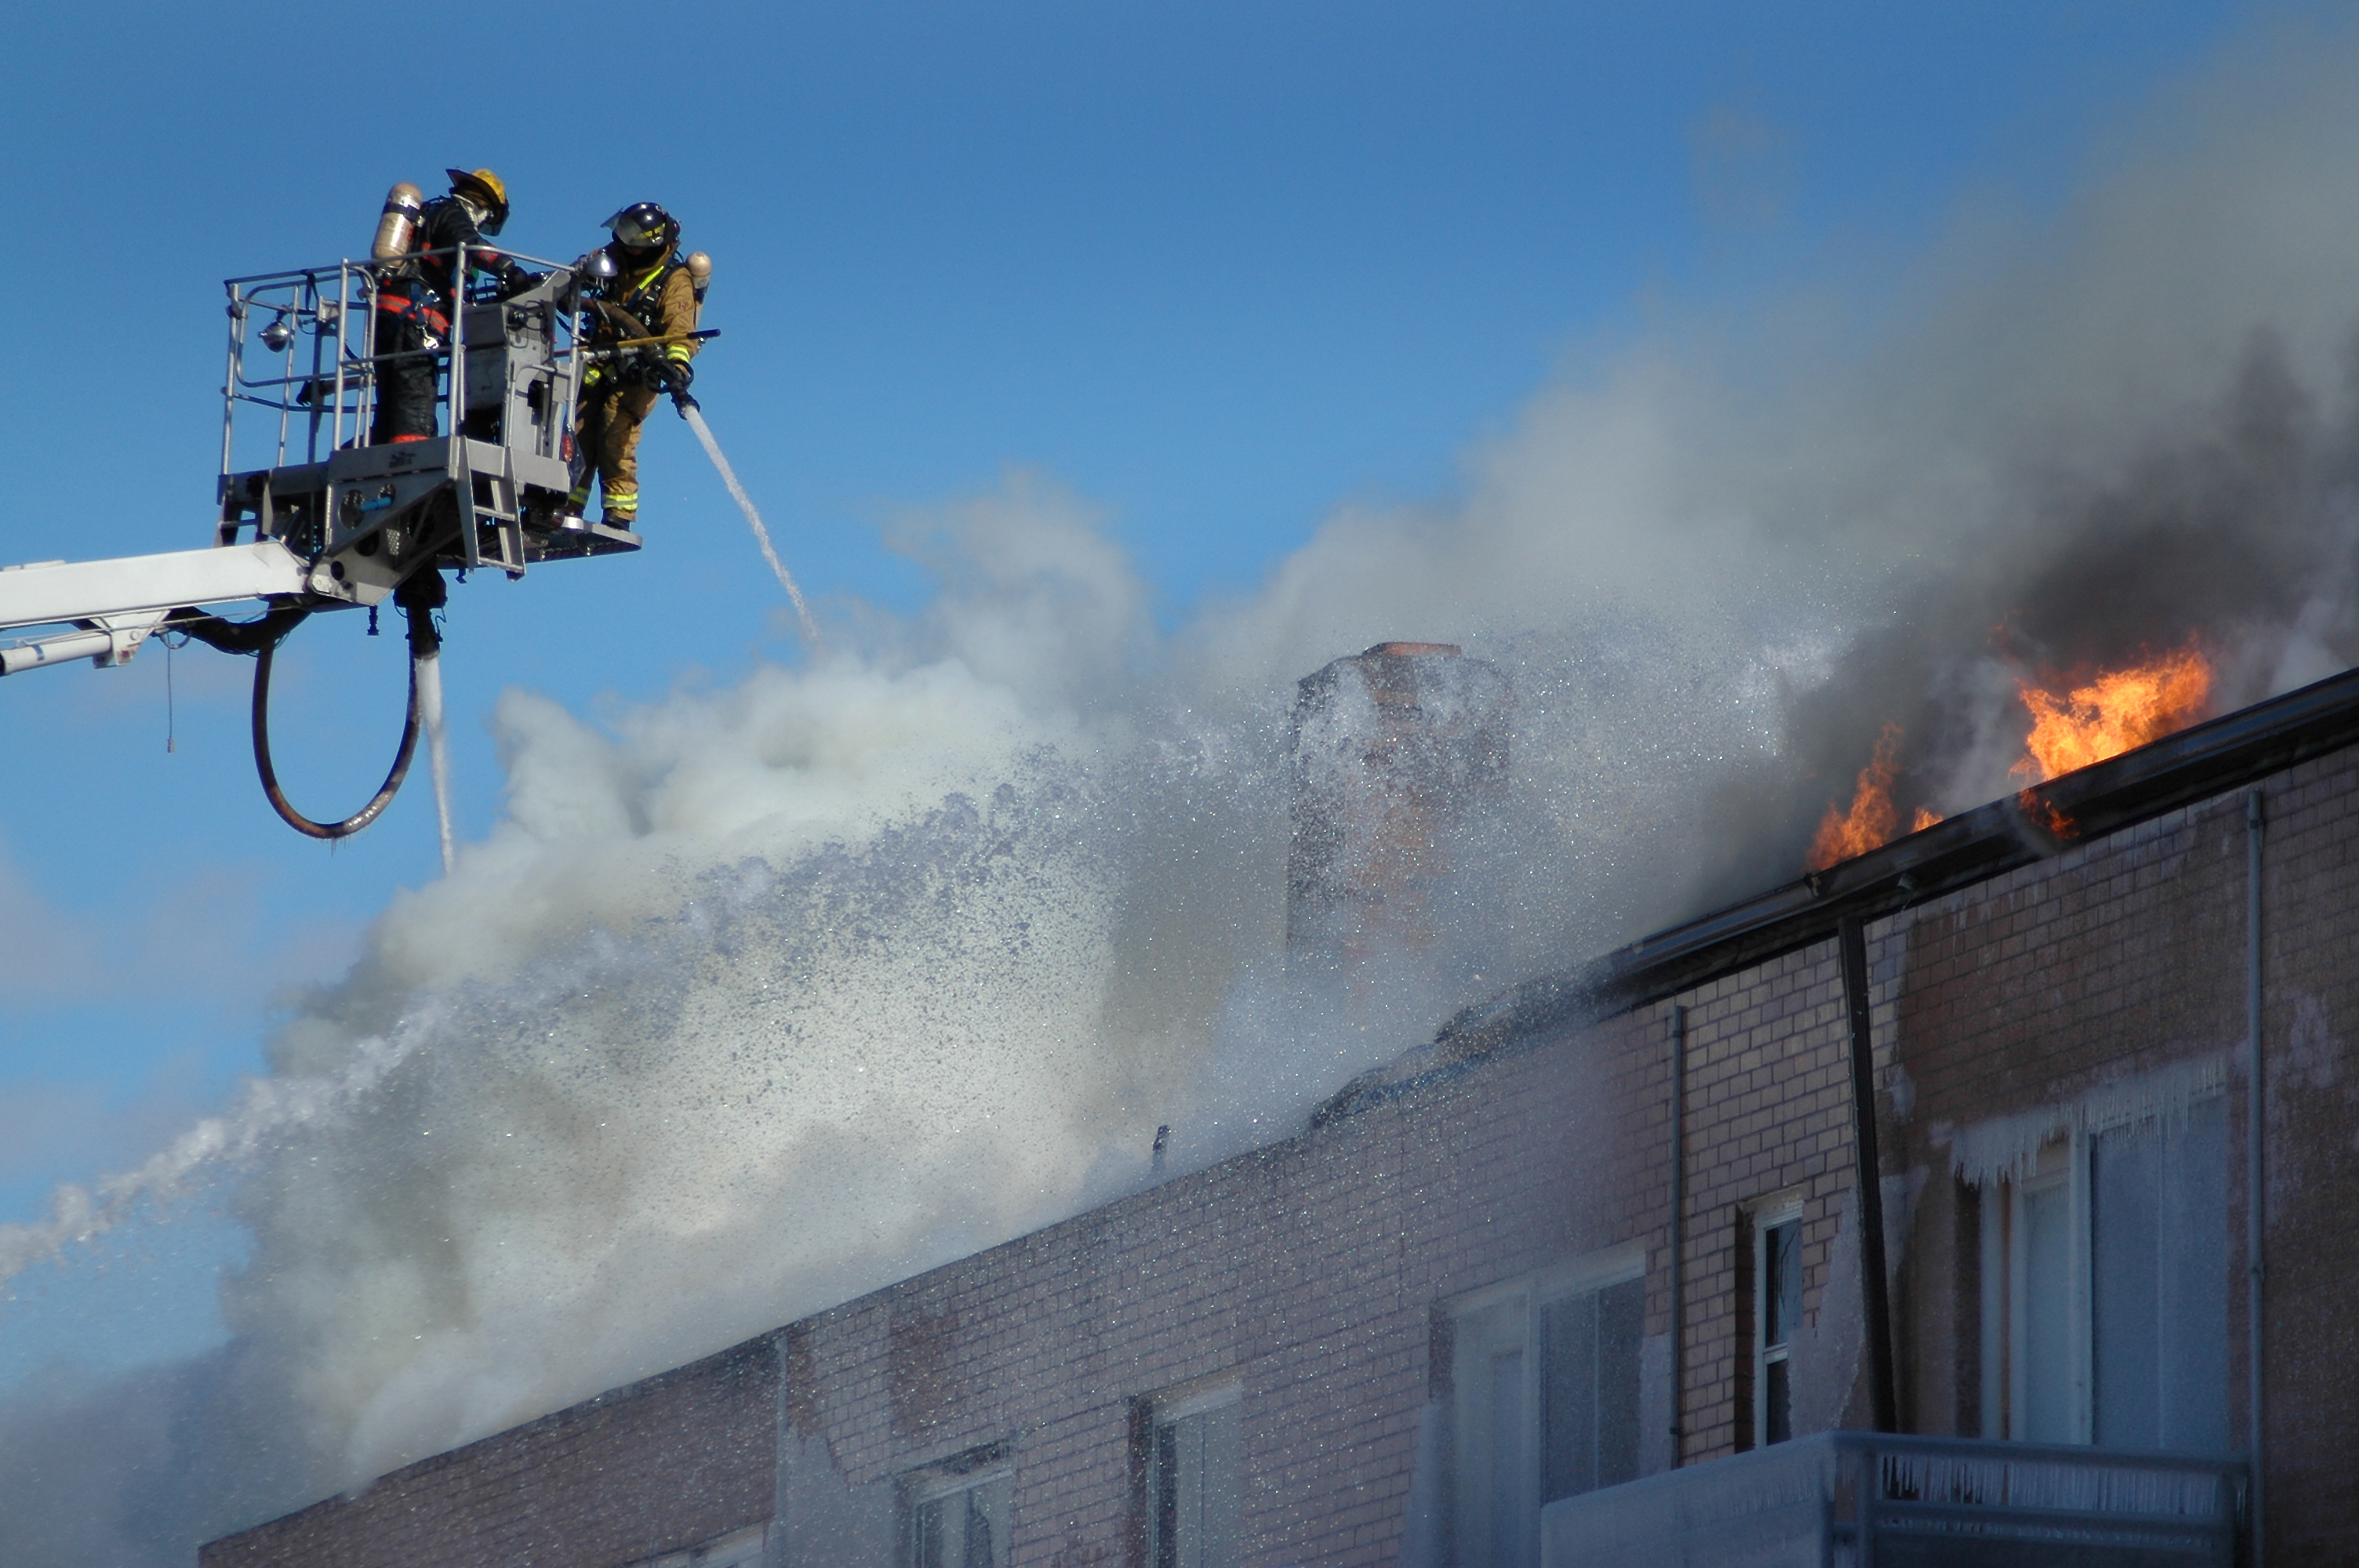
[277, 797]
[636, 355]
[418, 598]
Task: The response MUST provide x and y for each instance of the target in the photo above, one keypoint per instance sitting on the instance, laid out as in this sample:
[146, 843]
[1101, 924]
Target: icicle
[1997, 1482]
[2006, 1147]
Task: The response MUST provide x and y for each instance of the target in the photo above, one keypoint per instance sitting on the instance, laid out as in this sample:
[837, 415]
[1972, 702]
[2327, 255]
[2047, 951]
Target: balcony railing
[1854, 1500]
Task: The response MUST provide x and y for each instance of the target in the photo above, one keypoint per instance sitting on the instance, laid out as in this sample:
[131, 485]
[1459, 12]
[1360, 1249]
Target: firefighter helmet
[487, 191]
[643, 226]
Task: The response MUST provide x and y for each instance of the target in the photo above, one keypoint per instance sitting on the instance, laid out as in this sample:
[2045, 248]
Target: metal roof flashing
[2196, 764]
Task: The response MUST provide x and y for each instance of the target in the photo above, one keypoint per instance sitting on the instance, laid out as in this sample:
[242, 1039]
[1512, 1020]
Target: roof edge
[2196, 764]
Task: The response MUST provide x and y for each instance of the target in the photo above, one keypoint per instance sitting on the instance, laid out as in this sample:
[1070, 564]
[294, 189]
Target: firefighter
[414, 299]
[652, 296]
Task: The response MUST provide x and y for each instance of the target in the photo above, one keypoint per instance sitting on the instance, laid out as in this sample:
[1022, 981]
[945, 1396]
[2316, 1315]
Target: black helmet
[643, 226]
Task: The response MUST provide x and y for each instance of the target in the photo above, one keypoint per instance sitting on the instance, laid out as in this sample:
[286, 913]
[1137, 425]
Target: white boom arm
[114, 605]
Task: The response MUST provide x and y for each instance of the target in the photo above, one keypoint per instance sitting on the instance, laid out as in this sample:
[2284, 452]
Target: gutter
[1679, 1237]
[2256, 1189]
[1867, 1183]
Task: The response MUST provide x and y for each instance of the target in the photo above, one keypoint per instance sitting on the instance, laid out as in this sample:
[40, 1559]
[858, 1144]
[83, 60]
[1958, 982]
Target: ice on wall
[2004, 1148]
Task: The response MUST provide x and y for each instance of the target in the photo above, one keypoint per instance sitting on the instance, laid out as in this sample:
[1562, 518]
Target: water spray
[266, 1110]
[426, 671]
[695, 417]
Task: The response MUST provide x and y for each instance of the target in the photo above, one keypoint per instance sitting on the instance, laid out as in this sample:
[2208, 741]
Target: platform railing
[330, 384]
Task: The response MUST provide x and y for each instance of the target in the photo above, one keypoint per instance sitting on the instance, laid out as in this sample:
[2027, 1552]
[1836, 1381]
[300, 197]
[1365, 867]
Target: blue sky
[1217, 267]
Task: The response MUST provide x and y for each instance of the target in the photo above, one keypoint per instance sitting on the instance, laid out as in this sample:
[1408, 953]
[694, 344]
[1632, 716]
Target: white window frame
[2062, 1162]
[1767, 1213]
[2063, 1165]
[1512, 1310]
[1174, 1405]
[952, 1478]
[2057, 1150]
[1195, 1399]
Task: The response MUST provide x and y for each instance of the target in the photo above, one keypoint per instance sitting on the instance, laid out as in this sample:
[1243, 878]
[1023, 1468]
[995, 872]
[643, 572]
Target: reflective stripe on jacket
[394, 300]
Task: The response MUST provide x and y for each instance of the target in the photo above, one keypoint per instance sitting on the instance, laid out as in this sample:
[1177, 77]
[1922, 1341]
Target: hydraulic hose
[401, 759]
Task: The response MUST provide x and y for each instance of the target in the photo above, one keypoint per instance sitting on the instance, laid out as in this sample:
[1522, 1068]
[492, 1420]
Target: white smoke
[759, 999]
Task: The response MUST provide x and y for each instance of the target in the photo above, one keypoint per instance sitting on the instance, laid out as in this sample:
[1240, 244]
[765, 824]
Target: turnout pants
[405, 389]
[606, 443]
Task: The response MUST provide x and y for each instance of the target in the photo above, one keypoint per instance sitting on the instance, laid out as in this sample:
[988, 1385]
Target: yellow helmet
[484, 188]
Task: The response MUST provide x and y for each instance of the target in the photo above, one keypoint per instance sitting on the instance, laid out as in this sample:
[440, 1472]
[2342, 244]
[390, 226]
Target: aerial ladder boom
[113, 605]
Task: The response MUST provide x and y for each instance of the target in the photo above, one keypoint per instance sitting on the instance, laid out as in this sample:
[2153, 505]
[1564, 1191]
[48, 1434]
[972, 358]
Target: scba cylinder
[404, 208]
[700, 272]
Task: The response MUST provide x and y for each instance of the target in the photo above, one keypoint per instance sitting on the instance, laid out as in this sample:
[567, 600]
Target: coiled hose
[424, 642]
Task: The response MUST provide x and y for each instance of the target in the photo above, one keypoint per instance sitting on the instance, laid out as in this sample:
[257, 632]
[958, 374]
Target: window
[2106, 1289]
[1776, 1316]
[2048, 1306]
[1545, 1378]
[955, 1515]
[1194, 1474]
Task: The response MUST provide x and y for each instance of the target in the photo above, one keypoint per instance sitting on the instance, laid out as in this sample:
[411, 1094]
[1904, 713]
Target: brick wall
[1768, 1111]
[650, 1468]
[1309, 1270]
[2311, 947]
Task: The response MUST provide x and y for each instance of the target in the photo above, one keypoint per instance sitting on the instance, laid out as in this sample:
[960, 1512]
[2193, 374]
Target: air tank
[404, 206]
[700, 272]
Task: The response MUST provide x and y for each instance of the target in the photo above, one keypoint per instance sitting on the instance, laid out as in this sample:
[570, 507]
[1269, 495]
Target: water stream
[429, 669]
[761, 534]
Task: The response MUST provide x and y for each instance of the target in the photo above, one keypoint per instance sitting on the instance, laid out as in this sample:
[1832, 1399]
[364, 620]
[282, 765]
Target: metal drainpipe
[2255, 1170]
[1679, 1224]
[1875, 1295]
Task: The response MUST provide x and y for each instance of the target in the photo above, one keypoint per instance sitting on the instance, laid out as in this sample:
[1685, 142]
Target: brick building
[1582, 1277]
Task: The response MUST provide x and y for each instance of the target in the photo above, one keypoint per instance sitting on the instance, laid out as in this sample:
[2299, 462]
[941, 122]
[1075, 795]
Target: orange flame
[2038, 809]
[1873, 820]
[2118, 711]
[1926, 818]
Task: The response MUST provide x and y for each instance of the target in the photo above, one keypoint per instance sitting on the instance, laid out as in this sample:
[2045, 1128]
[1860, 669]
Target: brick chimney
[1391, 748]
